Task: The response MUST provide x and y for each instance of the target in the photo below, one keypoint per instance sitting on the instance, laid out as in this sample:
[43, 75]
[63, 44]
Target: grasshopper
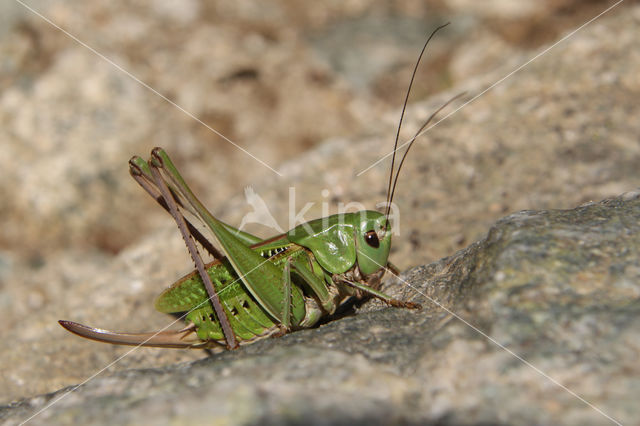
[256, 288]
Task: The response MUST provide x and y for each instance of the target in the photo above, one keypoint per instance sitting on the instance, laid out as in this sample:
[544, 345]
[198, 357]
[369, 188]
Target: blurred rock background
[314, 91]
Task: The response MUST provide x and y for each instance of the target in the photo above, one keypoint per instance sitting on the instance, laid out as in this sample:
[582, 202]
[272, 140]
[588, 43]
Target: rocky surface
[80, 241]
[538, 323]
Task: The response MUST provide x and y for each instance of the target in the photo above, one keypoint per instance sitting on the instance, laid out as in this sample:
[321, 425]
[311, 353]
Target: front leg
[380, 295]
[304, 269]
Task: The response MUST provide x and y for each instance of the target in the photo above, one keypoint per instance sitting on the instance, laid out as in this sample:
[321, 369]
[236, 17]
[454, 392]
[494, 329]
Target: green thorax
[338, 241]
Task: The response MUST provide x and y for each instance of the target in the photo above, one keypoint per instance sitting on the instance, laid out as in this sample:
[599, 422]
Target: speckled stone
[549, 299]
[80, 241]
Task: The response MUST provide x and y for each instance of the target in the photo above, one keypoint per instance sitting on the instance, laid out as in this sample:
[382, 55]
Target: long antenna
[413, 139]
[404, 107]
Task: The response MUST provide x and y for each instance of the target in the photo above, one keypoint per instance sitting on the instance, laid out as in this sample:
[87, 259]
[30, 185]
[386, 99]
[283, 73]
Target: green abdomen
[247, 318]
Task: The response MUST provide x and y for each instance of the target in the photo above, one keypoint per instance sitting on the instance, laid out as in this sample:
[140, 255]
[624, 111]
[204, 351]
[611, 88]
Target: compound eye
[371, 238]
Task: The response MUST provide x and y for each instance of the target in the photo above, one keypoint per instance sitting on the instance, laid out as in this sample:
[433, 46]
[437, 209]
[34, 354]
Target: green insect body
[249, 319]
[261, 287]
[257, 288]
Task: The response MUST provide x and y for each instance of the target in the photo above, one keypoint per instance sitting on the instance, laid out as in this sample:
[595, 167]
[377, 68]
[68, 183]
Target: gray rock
[538, 323]
[79, 240]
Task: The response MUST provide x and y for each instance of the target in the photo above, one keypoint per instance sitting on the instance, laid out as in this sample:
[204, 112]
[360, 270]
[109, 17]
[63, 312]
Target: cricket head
[343, 240]
[373, 241]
